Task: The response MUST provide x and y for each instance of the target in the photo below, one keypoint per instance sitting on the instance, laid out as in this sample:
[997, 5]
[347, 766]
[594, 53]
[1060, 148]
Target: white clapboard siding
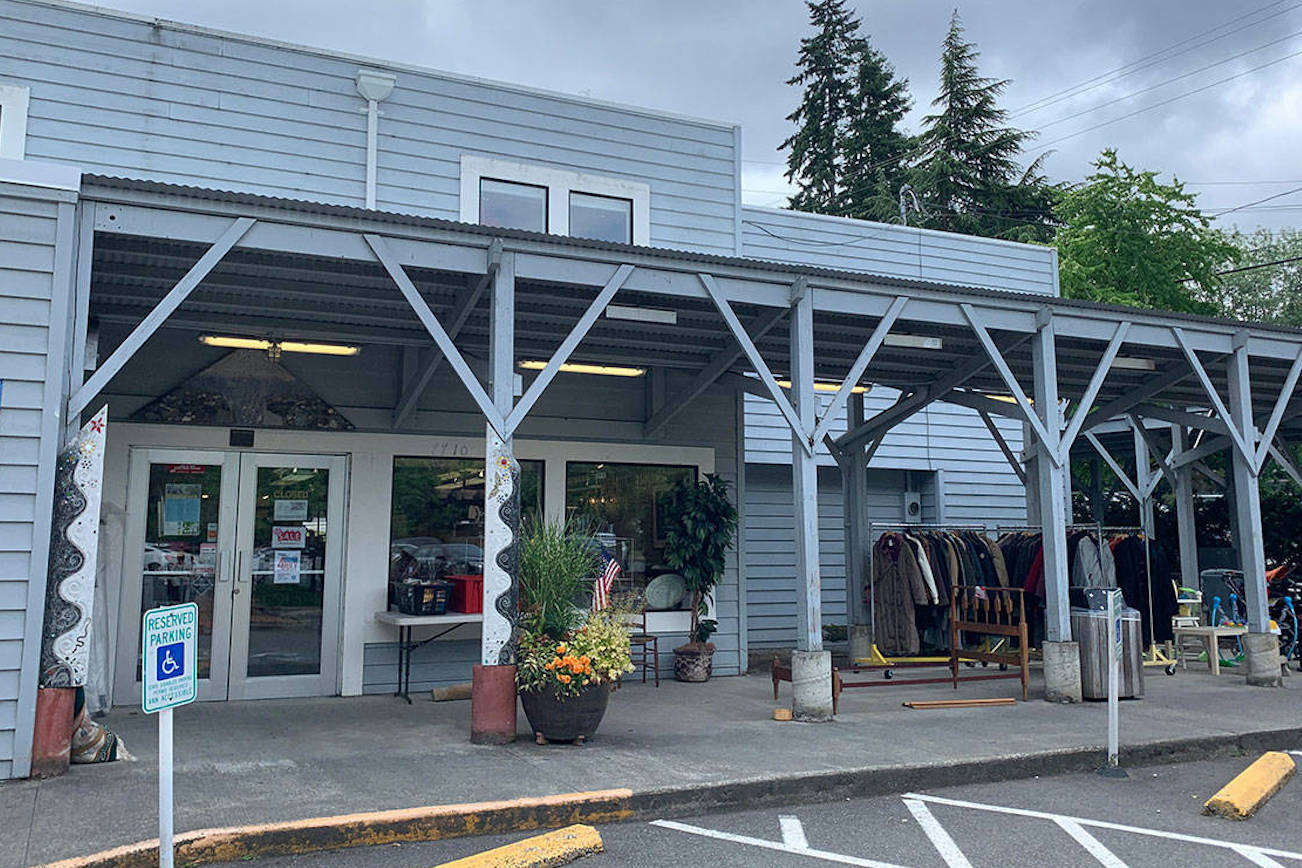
[897, 251]
[28, 235]
[122, 95]
[770, 545]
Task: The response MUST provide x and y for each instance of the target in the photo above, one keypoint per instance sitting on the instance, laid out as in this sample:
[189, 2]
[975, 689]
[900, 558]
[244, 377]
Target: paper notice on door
[287, 566]
[206, 564]
[181, 508]
[212, 531]
[289, 536]
[290, 510]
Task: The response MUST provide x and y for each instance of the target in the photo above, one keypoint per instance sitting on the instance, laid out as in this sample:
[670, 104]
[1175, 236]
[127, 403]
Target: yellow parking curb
[1241, 797]
[431, 823]
[560, 847]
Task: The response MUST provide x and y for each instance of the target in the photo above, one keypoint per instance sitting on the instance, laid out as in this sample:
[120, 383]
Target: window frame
[14, 102]
[559, 183]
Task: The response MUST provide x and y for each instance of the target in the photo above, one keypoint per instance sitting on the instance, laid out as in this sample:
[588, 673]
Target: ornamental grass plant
[563, 647]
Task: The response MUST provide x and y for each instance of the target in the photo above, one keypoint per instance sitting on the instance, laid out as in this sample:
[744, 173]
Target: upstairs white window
[512, 206]
[13, 122]
[543, 199]
[604, 218]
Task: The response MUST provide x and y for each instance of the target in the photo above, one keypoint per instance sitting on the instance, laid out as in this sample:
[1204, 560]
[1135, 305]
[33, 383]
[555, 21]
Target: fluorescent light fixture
[916, 342]
[235, 343]
[580, 368]
[1133, 364]
[642, 314]
[820, 386]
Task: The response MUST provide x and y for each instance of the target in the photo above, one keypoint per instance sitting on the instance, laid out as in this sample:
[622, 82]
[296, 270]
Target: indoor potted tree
[701, 526]
[568, 658]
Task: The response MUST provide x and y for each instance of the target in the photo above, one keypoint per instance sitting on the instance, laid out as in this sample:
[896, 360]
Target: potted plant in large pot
[701, 526]
[568, 659]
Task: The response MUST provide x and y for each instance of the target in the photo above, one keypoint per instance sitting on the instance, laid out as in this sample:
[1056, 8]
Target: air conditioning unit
[912, 506]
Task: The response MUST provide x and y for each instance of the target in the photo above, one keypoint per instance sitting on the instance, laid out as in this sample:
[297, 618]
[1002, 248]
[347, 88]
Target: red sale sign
[287, 537]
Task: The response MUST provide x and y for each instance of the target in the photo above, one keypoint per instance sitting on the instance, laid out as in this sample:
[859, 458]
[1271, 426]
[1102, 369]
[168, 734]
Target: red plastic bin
[467, 593]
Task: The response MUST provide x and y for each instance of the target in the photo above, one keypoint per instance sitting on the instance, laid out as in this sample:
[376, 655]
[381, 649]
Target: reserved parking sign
[168, 648]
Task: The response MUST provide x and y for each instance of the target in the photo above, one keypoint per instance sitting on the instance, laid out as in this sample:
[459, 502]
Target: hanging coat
[897, 588]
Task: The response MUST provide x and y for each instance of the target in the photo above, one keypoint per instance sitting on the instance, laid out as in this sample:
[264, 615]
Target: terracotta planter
[694, 663]
[570, 718]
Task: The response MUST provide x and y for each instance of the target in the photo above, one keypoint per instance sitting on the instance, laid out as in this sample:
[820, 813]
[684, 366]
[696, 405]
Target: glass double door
[254, 539]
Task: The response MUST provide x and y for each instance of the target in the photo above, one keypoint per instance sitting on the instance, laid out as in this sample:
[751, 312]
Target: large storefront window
[437, 526]
[620, 502]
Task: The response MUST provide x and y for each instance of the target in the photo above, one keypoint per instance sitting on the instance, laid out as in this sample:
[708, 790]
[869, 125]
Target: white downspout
[374, 86]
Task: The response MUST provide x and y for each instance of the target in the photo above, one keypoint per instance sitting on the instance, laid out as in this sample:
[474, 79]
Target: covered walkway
[480, 301]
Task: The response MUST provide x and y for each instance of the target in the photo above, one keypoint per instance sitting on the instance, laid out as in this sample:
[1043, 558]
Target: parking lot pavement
[1152, 818]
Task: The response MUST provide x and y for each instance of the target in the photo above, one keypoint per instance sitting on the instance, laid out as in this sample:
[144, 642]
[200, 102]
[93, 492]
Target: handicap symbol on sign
[171, 661]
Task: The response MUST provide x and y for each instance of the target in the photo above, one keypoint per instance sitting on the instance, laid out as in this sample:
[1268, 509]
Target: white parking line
[1102, 824]
[1092, 844]
[793, 833]
[1256, 857]
[772, 845]
[940, 839]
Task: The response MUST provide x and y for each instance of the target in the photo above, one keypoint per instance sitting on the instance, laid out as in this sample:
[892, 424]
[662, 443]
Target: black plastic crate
[423, 598]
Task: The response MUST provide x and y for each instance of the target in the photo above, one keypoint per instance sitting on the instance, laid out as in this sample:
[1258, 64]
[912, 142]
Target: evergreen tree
[967, 170]
[826, 72]
[875, 149]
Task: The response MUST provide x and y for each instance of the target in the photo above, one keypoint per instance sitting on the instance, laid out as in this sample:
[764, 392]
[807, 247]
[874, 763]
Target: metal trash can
[1089, 628]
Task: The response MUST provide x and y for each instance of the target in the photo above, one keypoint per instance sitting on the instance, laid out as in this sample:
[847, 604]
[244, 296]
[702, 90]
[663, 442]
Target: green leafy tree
[1259, 292]
[700, 528]
[826, 73]
[967, 168]
[876, 148]
[1128, 239]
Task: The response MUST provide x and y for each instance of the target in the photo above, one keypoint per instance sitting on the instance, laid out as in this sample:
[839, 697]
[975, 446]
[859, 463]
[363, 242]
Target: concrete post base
[52, 739]
[811, 686]
[492, 704]
[1062, 672]
[1262, 653]
[861, 641]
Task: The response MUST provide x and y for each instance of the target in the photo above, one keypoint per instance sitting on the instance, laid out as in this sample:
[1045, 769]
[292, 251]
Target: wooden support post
[1247, 498]
[1186, 520]
[854, 484]
[1052, 484]
[809, 626]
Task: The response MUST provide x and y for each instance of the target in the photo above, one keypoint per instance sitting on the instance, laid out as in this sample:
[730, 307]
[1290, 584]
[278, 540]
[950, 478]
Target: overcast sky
[1233, 142]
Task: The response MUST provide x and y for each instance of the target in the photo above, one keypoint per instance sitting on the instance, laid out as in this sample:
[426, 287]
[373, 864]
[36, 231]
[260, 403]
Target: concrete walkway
[272, 760]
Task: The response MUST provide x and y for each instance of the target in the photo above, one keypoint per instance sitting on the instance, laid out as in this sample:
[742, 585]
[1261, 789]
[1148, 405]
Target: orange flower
[585, 660]
[560, 649]
[564, 678]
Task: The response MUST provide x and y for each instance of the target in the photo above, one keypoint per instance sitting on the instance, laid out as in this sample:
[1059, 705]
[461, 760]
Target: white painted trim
[14, 100]
[33, 173]
[369, 496]
[559, 183]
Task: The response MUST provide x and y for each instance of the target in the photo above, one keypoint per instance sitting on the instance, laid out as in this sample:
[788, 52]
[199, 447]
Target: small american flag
[601, 587]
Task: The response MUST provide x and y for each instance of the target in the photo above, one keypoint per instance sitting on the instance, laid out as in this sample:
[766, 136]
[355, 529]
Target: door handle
[222, 574]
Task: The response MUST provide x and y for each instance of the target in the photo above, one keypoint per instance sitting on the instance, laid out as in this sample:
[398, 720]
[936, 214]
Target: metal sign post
[168, 664]
[1113, 769]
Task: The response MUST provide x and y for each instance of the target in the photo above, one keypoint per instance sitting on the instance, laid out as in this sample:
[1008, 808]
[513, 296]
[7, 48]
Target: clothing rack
[875, 530]
[877, 660]
[1154, 656]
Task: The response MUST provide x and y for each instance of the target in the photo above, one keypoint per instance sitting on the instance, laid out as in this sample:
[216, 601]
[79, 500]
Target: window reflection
[512, 206]
[604, 218]
[437, 523]
[620, 501]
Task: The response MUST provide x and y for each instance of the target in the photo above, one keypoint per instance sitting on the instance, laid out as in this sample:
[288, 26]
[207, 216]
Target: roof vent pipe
[374, 86]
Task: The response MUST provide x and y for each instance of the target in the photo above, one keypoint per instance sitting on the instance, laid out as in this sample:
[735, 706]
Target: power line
[1161, 84]
[1257, 202]
[1175, 98]
[1260, 265]
[1142, 62]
